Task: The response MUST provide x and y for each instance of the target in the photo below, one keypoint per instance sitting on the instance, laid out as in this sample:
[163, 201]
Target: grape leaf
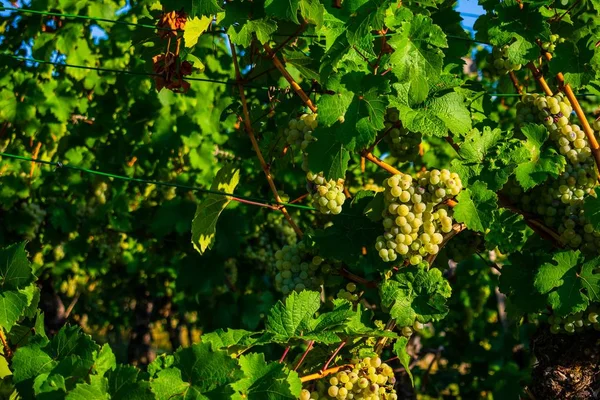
[29, 362]
[560, 280]
[46, 383]
[123, 384]
[403, 356]
[517, 283]
[205, 7]
[262, 28]
[327, 154]
[85, 391]
[12, 304]
[590, 278]
[544, 160]
[204, 224]
[289, 320]
[508, 232]
[415, 293]
[369, 17]
[15, 269]
[591, 209]
[578, 62]
[105, 360]
[287, 9]
[431, 115]
[475, 207]
[417, 54]
[195, 27]
[169, 385]
[225, 339]
[262, 380]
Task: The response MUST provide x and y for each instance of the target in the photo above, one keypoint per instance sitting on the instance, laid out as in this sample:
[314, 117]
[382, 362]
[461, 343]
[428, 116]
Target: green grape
[295, 269]
[403, 144]
[500, 64]
[305, 395]
[328, 196]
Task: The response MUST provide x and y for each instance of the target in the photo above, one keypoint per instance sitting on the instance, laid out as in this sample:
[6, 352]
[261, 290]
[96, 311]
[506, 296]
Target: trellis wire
[64, 15]
[230, 82]
[153, 182]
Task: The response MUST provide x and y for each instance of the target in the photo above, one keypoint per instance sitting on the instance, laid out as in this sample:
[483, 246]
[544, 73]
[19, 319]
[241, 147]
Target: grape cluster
[560, 201]
[297, 269]
[550, 46]
[500, 64]
[403, 144]
[348, 292]
[407, 331]
[328, 195]
[576, 322]
[414, 217]
[369, 379]
[299, 131]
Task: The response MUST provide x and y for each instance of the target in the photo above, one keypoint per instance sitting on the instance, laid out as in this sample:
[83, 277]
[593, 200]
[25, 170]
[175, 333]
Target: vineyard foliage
[304, 199]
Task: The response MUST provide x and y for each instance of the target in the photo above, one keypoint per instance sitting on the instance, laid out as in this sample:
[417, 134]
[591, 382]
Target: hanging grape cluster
[403, 144]
[499, 62]
[369, 379]
[297, 269]
[414, 217]
[550, 45]
[299, 131]
[328, 196]
[560, 201]
[348, 293]
[576, 322]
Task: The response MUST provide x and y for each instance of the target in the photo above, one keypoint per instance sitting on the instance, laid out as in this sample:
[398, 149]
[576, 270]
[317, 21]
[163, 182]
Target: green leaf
[544, 160]
[204, 368]
[508, 232]
[205, 7]
[29, 362]
[225, 339]
[46, 383]
[416, 293]
[15, 270]
[328, 154]
[12, 306]
[195, 27]
[289, 320]
[433, 116]
[417, 55]
[590, 278]
[105, 360]
[169, 385]
[123, 384]
[591, 209]
[475, 207]
[369, 17]
[262, 380]
[71, 341]
[578, 62]
[517, 283]
[283, 9]
[403, 356]
[560, 280]
[262, 28]
[204, 224]
[85, 391]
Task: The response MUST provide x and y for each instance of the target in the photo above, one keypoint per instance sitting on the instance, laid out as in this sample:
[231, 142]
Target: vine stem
[515, 82]
[355, 278]
[322, 374]
[335, 353]
[308, 348]
[539, 78]
[254, 203]
[391, 324]
[8, 352]
[255, 146]
[285, 352]
[369, 156]
[289, 78]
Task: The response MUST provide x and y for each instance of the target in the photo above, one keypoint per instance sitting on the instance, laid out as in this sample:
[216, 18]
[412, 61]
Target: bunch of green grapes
[560, 201]
[500, 64]
[328, 195]
[369, 379]
[297, 269]
[348, 292]
[299, 131]
[414, 217]
[403, 143]
[550, 46]
[283, 230]
[100, 192]
[576, 322]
